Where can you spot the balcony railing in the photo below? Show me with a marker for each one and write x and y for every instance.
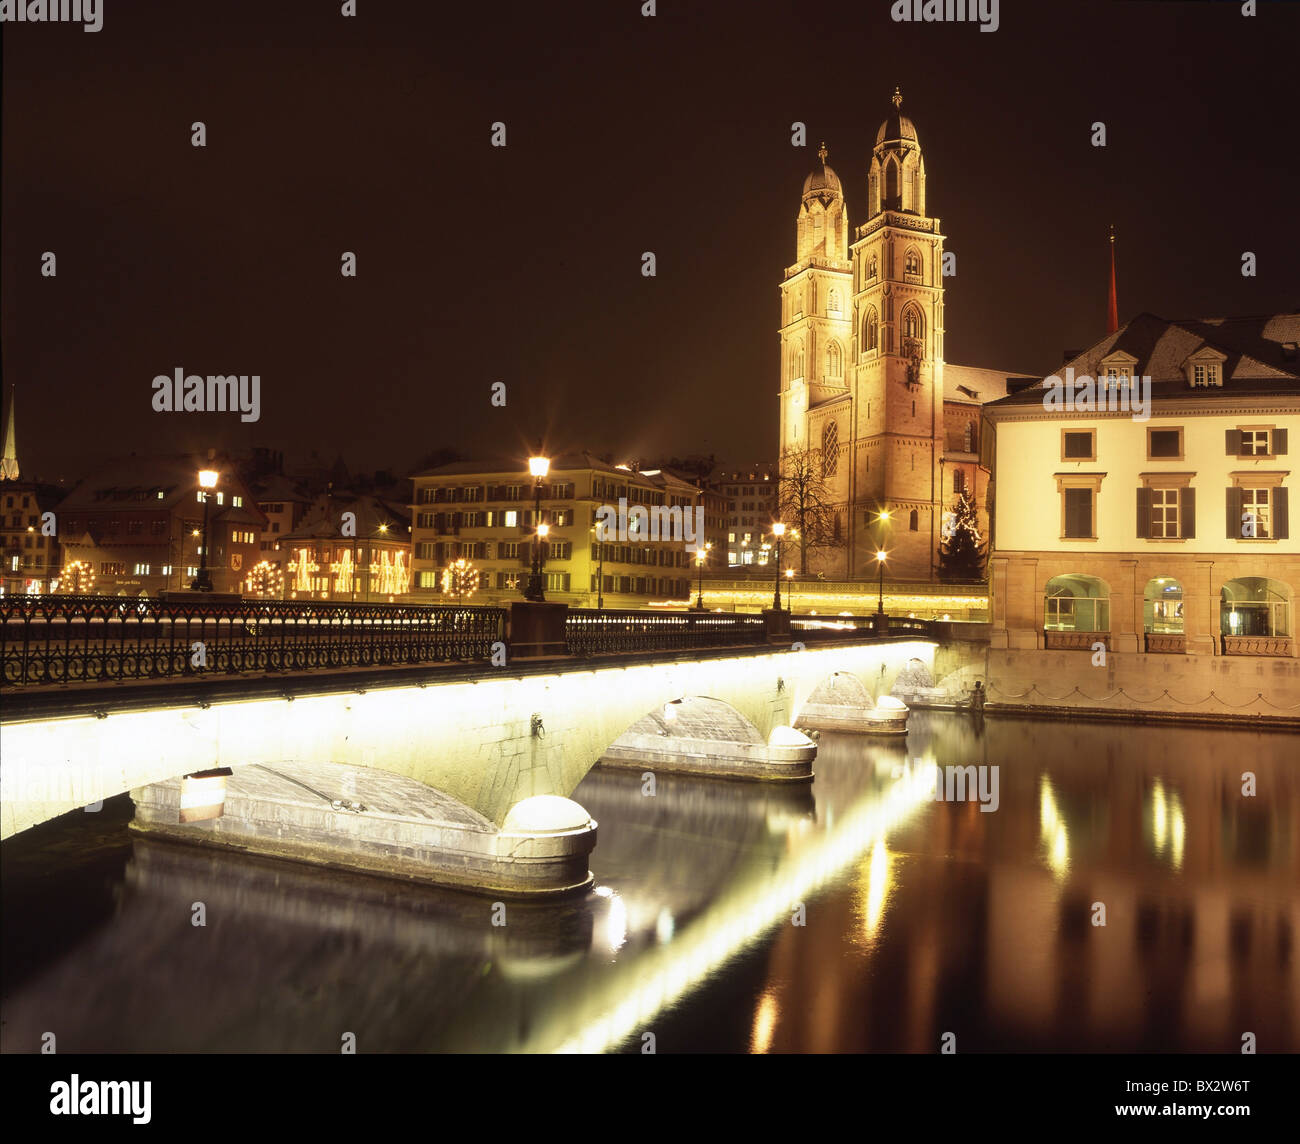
(1074, 641)
(1257, 645)
(1165, 643)
(82, 639)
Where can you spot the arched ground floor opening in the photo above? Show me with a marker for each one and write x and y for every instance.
(1237, 603)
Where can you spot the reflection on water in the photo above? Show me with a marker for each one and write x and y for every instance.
(918, 917)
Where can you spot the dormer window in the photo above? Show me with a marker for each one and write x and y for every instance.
(1204, 368)
(1116, 371)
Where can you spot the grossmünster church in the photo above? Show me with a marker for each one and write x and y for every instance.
(865, 391)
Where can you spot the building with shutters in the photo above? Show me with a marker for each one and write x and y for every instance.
(1168, 533)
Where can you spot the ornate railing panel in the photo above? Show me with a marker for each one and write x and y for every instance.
(1074, 641)
(79, 639)
(1257, 645)
(589, 631)
(1165, 642)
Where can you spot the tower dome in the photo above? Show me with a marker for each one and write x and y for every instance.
(897, 128)
(822, 182)
(823, 226)
(896, 174)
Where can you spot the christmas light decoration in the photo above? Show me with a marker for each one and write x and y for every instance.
(78, 579)
(460, 579)
(265, 580)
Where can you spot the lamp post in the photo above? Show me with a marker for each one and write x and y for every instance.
(700, 557)
(600, 567)
(778, 530)
(539, 466)
(880, 561)
(789, 587)
(203, 581)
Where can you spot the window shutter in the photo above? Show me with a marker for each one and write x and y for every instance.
(1234, 514)
(1280, 524)
(1144, 513)
(1187, 514)
(1279, 442)
(1232, 442)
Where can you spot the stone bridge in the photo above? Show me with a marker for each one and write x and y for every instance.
(487, 741)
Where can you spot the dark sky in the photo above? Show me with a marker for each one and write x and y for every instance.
(625, 134)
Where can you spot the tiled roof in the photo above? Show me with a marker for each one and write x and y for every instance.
(1257, 360)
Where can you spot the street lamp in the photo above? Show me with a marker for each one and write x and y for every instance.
(778, 530)
(701, 556)
(539, 467)
(880, 560)
(789, 583)
(600, 567)
(207, 482)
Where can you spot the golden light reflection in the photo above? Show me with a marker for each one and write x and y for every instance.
(765, 1015)
(1168, 824)
(1052, 829)
(605, 1016)
(878, 885)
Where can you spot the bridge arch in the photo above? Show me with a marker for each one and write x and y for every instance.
(489, 743)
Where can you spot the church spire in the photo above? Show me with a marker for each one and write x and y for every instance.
(9, 463)
(1112, 311)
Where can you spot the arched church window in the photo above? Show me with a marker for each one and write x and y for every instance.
(830, 449)
(912, 263)
(969, 441)
(796, 361)
(833, 302)
(834, 360)
(914, 521)
(874, 265)
(911, 323)
(870, 331)
(891, 184)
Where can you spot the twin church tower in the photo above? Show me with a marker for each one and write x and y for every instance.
(865, 392)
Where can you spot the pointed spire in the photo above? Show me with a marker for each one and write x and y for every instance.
(9, 463)
(1112, 311)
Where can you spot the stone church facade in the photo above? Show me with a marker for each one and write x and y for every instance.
(865, 391)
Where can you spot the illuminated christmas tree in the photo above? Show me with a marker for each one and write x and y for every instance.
(460, 579)
(962, 550)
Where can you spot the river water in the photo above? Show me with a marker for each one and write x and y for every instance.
(855, 913)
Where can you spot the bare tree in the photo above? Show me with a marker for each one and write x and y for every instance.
(805, 503)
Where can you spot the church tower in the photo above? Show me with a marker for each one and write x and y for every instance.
(877, 422)
(817, 329)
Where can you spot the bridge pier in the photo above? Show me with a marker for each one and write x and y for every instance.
(330, 815)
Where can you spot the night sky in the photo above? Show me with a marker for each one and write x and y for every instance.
(672, 134)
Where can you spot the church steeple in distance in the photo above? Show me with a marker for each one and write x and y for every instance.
(1112, 310)
(9, 463)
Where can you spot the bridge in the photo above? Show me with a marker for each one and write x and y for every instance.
(104, 696)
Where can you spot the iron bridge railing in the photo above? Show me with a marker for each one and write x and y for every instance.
(592, 632)
(78, 639)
